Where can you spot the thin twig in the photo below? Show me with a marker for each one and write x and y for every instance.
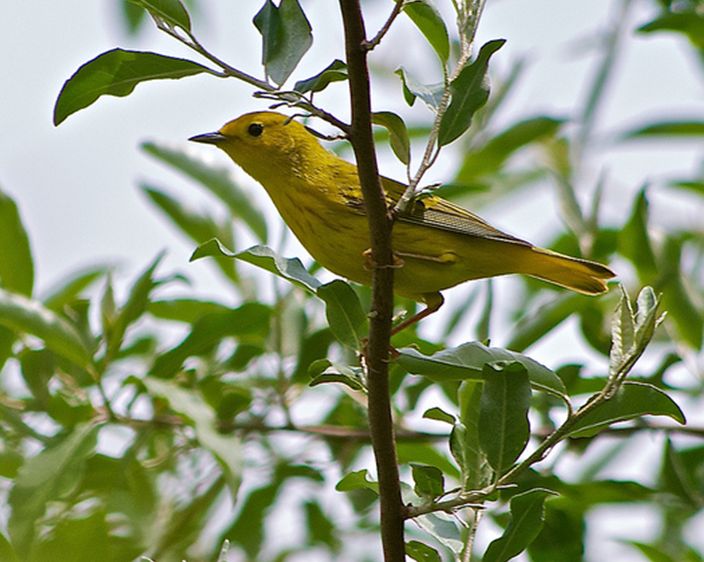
(369, 45)
(229, 71)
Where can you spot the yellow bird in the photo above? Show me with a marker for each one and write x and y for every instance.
(437, 243)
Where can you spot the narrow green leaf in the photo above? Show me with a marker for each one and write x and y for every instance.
(470, 91)
(633, 400)
(439, 414)
(467, 361)
(7, 553)
(689, 22)
(249, 320)
(286, 36)
(290, 269)
(198, 226)
(26, 316)
(421, 552)
(134, 307)
(71, 288)
(46, 478)
(488, 159)
(116, 73)
(173, 12)
(398, 134)
(429, 481)
(184, 310)
(429, 21)
(682, 309)
(336, 71)
(133, 16)
(651, 552)
(465, 438)
(326, 378)
(622, 333)
(503, 415)
(674, 129)
(357, 480)
(527, 513)
(16, 265)
(344, 313)
(227, 449)
(634, 242)
(430, 94)
(218, 181)
(426, 453)
(539, 322)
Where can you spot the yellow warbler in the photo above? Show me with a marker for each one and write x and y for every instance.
(437, 243)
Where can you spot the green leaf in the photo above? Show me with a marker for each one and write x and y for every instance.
(357, 480)
(133, 309)
(16, 265)
(290, 269)
(286, 36)
(470, 91)
(467, 361)
(429, 21)
(172, 12)
(48, 477)
(218, 181)
(682, 309)
(184, 310)
(633, 400)
(689, 22)
(7, 553)
(439, 414)
(133, 16)
(344, 313)
(116, 73)
(422, 552)
(198, 227)
(336, 71)
(651, 552)
(503, 415)
(429, 481)
(539, 322)
(26, 316)
(250, 319)
(675, 129)
(398, 134)
(426, 453)
(527, 513)
(622, 333)
(465, 438)
(430, 94)
(488, 159)
(227, 449)
(71, 288)
(634, 242)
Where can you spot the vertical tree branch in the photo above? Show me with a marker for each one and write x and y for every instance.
(380, 224)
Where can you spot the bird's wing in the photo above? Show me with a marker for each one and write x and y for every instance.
(437, 213)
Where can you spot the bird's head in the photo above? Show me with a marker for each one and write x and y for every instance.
(265, 143)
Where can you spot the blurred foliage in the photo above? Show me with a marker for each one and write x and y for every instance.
(139, 423)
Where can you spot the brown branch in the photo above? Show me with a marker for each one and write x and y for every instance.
(377, 351)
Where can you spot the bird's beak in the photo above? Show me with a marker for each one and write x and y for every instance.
(209, 138)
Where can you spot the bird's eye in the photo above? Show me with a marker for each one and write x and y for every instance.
(255, 129)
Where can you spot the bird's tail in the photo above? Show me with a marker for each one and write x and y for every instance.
(577, 274)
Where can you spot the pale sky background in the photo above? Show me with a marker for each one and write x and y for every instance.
(76, 185)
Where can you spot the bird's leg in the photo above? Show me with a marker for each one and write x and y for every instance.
(446, 257)
(433, 302)
(370, 264)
